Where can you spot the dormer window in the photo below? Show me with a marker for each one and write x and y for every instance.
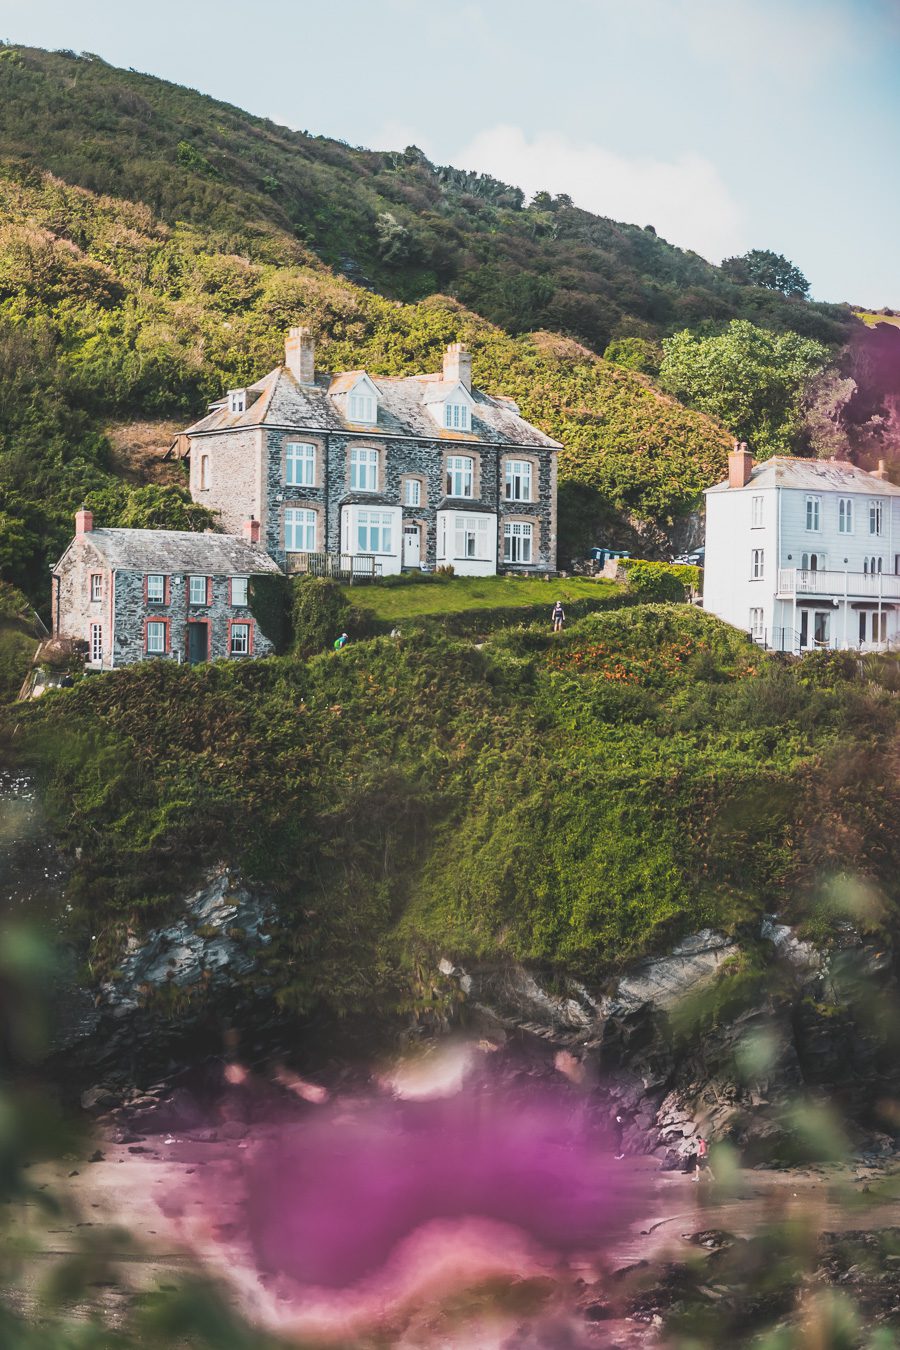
(456, 416)
(237, 400)
(362, 406)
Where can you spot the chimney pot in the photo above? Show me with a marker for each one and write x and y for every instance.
(84, 521)
(458, 364)
(251, 530)
(740, 463)
(300, 354)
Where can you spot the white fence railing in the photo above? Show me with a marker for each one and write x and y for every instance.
(871, 585)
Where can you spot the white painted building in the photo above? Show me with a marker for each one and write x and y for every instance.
(804, 553)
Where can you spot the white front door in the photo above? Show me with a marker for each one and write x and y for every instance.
(412, 552)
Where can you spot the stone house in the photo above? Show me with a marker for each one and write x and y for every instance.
(136, 595)
(386, 472)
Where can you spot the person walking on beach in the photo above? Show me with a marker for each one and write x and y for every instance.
(702, 1159)
(558, 617)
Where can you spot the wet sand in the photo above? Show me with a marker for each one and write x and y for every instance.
(150, 1191)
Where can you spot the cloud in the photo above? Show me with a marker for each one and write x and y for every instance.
(684, 199)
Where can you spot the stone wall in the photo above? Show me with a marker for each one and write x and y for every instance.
(132, 610)
(398, 460)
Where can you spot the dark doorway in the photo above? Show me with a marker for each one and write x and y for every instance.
(198, 643)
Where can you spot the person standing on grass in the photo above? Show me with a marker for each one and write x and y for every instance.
(558, 617)
(341, 642)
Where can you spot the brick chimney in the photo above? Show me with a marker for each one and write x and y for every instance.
(740, 462)
(84, 521)
(300, 355)
(458, 364)
(251, 531)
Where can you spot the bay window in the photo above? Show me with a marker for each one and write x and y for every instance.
(373, 531)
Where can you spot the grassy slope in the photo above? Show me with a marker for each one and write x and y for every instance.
(571, 801)
(462, 594)
(107, 314)
(191, 158)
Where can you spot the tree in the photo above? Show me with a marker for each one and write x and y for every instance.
(762, 267)
(750, 379)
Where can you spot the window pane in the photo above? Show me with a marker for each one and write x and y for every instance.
(239, 590)
(198, 590)
(156, 637)
(156, 589)
(240, 639)
(301, 465)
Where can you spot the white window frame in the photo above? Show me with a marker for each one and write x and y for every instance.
(460, 475)
(518, 541)
(235, 628)
(813, 514)
(362, 408)
(757, 622)
(240, 591)
(471, 537)
(813, 562)
(156, 595)
(96, 643)
(518, 478)
(237, 400)
(412, 492)
(757, 564)
(158, 628)
(300, 468)
(756, 512)
(363, 469)
(456, 416)
(194, 589)
(845, 515)
(876, 516)
(96, 587)
(204, 473)
(374, 531)
(300, 530)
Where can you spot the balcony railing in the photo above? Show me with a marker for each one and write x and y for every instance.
(347, 567)
(856, 585)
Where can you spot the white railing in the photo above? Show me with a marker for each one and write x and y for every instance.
(873, 585)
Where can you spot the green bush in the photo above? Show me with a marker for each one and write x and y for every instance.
(651, 582)
(270, 606)
(319, 614)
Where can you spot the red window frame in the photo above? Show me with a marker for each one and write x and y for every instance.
(155, 618)
(248, 623)
(231, 593)
(167, 589)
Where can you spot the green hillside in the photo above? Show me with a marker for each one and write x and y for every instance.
(571, 801)
(106, 313)
(405, 226)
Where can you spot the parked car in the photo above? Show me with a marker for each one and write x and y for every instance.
(694, 559)
(603, 555)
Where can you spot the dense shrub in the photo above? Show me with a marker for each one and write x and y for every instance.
(655, 581)
(319, 614)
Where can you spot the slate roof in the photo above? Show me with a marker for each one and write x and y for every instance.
(812, 475)
(173, 551)
(402, 411)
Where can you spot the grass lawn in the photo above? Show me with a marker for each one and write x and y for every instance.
(456, 595)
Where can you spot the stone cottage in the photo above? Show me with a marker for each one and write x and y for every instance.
(386, 473)
(136, 595)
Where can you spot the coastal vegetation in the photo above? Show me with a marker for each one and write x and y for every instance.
(573, 801)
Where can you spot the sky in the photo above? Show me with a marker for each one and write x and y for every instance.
(726, 124)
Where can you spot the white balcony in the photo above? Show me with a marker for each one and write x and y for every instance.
(798, 581)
